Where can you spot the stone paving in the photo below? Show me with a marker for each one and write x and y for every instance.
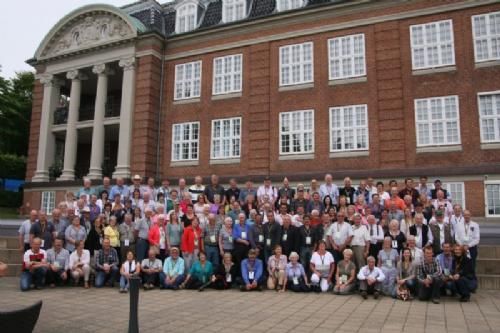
(74, 310)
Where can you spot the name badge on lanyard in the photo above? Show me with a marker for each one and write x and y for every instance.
(43, 243)
(268, 242)
(212, 238)
(394, 244)
(295, 280)
(230, 238)
(243, 235)
(308, 240)
(251, 275)
(196, 242)
(261, 238)
(127, 242)
(228, 278)
(285, 237)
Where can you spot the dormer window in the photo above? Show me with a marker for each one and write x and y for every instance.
(233, 10)
(283, 5)
(186, 18)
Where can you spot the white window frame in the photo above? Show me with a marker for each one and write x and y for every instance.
(486, 205)
(235, 75)
(301, 63)
(442, 121)
(350, 58)
(447, 186)
(190, 82)
(190, 17)
(496, 117)
(301, 132)
(343, 128)
(190, 141)
(233, 10)
(221, 139)
(439, 44)
(488, 37)
(48, 206)
(283, 5)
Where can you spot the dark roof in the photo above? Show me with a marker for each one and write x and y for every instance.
(213, 14)
(161, 18)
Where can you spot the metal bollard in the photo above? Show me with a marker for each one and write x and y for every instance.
(133, 323)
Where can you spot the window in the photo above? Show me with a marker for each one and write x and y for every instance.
(347, 56)
(489, 116)
(227, 74)
(486, 34)
(492, 199)
(296, 64)
(185, 137)
(226, 138)
(186, 18)
(349, 128)
(297, 132)
(233, 10)
(288, 4)
(437, 121)
(457, 193)
(48, 201)
(432, 45)
(188, 80)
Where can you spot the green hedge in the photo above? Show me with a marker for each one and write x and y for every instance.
(11, 199)
(12, 166)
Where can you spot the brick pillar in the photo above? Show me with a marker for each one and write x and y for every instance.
(36, 112)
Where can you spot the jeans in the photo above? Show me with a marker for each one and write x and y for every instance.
(38, 276)
(124, 282)
(142, 247)
(189, 259)
(177, 282)
(465, 286)
(212, 255)
(102, 276)
(434, 290)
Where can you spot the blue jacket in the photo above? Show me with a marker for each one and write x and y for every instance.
(246, 267)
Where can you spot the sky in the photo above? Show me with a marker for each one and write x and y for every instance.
(26, 22)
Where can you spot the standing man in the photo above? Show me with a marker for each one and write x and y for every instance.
(214, 189)
(329, 188)
(267, 189)
(467, 234)
(120, 189)
(141, 234)
(340, 236)
(360, 243)
(24, 231)
(196, 189)
(127, 235)
(409, 190)
(232, 191)
(248, 190)
(59, 224)
(44, 230)
(441, 233)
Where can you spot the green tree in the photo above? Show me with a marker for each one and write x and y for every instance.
(16, 97)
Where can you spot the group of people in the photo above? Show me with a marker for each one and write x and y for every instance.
(404, 242)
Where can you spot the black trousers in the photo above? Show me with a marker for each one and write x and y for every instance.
(433, 291)
(298, 288)
(151, 278)
(55, 277)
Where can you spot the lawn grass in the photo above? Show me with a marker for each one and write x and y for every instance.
(9, 213)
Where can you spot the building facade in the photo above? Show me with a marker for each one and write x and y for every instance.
(255, 88)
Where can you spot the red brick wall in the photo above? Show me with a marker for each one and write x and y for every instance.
(36, 112)
(474, 197)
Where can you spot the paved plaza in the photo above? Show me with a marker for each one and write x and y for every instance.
(77, 310)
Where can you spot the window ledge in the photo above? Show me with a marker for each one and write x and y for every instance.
(336, 82)
(342, 154)
(187, 101)
(296, 157)
(296, 87)
(184, 163)
(439, 149)
(226, 161)
(434, 70)
(488, 63)
(226, 96)
(492, 145)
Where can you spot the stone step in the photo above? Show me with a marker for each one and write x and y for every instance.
(10, 256)
(13, 270)
(488, 266)
(488, 281)
(9, 242)
(488, 252)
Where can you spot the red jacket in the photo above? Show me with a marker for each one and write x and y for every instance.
(188, 237)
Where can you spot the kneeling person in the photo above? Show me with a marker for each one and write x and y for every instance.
(150, 269)
(34, 266)
(370, 279)
(251, 272)
(296, 275)
(173, 271)
(58, 260)
(106, 265)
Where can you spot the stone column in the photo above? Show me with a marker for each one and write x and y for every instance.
(126, 116)
(71, 142)
(97, 154)
(46, 142)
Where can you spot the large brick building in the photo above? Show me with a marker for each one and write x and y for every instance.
(250, 88)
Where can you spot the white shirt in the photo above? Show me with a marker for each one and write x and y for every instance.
(361, 235)
(129, 267)
(297, 221)
(332, 190)
(24, 230)
(279, 218)
(467, 233)
(376, 233)
(29, 253)
(271, 192)
(74, 258)
(417, 255)
(322, 262)
(418, 237)
(376, 273)
(340, 232)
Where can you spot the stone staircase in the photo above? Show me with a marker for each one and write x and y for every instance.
(488, 262)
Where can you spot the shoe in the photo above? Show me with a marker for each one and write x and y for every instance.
(151, 286)
(200, 289)
(87, 285)
(465, 299)
(121, 290)
(52, 285)
(364, 294)
(435, 300)
(376, 294)
(145, 286)
(259, 288)
(175, 288)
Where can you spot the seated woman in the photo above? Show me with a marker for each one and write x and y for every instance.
(200, 275)
(387, 260)
(130, 268)
(345, 277)
(276, 266)
(79, 264)
(112, 232)
(463, 275)
(296, 275)
(405, 279)
(225, 274)
(252, 272)
(322, 268)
